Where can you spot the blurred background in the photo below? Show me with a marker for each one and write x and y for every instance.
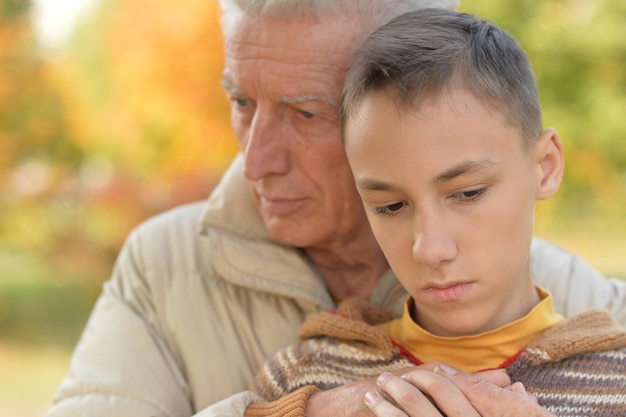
(112, 111)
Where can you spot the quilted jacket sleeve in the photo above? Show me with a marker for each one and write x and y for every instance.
(122, 366)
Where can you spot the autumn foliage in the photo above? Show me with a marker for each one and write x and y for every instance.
(150, 102)
(127, 121)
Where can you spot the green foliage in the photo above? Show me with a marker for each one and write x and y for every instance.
(40, 305)
(14, 9)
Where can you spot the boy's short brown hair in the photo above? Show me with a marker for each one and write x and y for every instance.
(420, 54)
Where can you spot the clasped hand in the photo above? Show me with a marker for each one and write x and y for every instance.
(440, 390)
(429, 390)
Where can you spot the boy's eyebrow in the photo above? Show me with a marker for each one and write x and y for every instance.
(234, 90)
(463, 168)
(373, 185)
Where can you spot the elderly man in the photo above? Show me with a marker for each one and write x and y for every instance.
(201, 295)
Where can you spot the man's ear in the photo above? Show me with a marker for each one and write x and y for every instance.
(550, 163)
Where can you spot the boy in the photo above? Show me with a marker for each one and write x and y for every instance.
(444, 136)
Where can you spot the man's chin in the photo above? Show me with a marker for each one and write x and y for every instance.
(291, 233)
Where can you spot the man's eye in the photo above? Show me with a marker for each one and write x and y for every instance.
(306, 114)
(241, 102)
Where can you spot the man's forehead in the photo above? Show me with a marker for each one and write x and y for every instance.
(334, 35)
(281, 82)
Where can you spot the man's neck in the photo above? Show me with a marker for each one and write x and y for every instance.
(351, 269)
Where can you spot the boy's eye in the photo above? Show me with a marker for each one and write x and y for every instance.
(388, 210)
(470, 195)
(395, 206)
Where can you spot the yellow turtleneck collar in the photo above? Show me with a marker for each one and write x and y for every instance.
(488, 350)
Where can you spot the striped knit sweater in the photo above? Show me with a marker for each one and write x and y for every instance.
(577, 368)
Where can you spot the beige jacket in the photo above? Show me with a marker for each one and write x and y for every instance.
(200, 297)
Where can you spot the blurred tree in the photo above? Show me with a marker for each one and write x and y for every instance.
(143, 77)
(35, 151)
(126, 121)
(32, 123)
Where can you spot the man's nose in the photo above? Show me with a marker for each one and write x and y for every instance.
(266, 148)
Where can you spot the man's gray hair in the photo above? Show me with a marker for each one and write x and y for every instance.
(376, 12)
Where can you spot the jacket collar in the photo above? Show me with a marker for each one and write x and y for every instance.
(230, 207)
(242, 251)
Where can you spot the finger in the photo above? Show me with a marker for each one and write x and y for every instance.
(406, 396)
(442, 392)
(381, 407)
(485, 397)
(430, 366)
(497, 377)
(519, 388)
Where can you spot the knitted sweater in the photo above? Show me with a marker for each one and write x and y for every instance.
(576, 368)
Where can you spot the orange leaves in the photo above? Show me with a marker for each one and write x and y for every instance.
(162, 62)
(129, 119)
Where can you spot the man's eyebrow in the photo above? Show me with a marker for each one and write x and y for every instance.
(305, 98)
(465, 167)
(232, 88)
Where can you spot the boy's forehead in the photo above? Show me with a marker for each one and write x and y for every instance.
(427, 107)
(382, 123)
(445, 105)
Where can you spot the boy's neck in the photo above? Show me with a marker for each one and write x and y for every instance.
(472, 353)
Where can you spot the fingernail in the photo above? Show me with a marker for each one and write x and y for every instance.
(383, 377)
(446, 369)
(370, 397)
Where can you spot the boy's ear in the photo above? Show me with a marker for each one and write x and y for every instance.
(550, 163)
